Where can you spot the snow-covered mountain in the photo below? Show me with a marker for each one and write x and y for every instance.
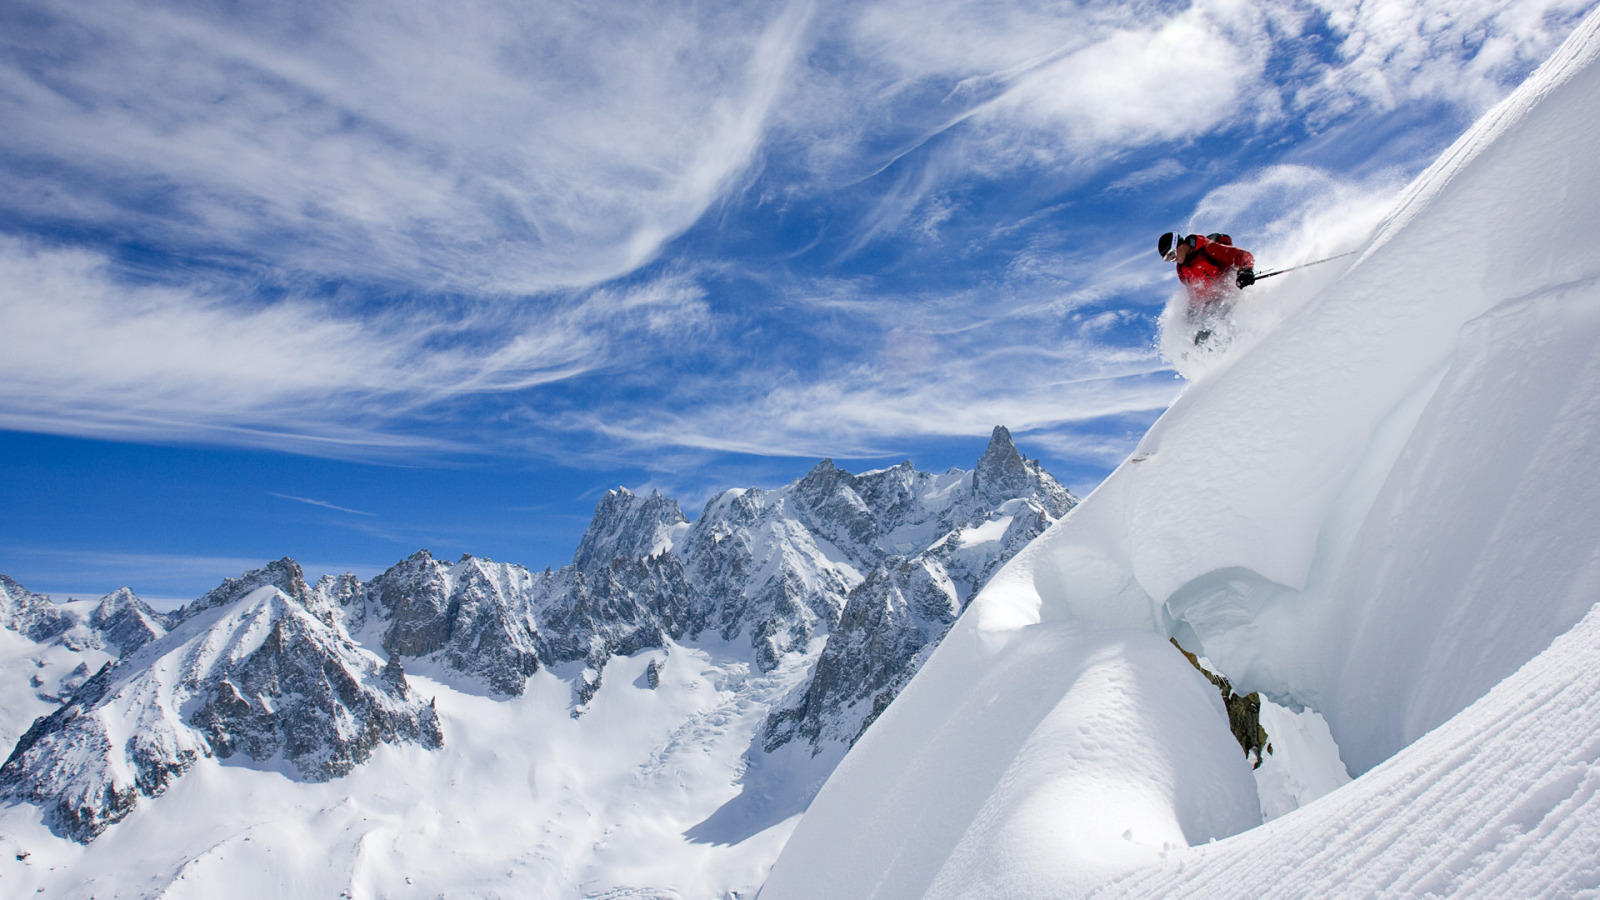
(248, 669)
(742, 653)
(1383, 510)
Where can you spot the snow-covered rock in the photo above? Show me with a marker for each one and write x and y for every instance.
(902, 609)
(31, 615)
(956, 528)
(119, 623)
(472, 616)
(499, 622)
(284, 574)
(628, 527)
(125, 622)
(262, 676)
(265, 672)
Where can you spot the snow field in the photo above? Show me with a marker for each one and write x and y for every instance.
(522, 801)
(23, 660)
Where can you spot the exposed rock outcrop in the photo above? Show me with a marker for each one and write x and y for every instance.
(264, 676)
(1244, 711)
(31, 615)
(627, 528)
(930, 542)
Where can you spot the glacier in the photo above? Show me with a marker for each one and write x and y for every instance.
(1383, 509)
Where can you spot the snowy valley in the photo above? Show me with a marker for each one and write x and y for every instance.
(646, 722)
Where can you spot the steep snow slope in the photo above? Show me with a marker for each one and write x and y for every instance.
(1380, 510)
(1501, 801)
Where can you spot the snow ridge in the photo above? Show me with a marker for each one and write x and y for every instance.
(263, 677)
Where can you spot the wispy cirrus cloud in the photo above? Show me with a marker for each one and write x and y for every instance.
(164, 580)
(93, 354)
(881, 370)
(492, 146)
(322, 503)
(336, 228)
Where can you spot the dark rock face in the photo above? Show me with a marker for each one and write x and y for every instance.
(472, 616)
(31, 615)
(1244, 711)
(126, 622)
(414, 597)
(927, 561)
(324, 710)
(902, 608)
(289, 683)
(501, 623)
(626, 528)
(1003, 474)
(760, 571)
(624, 607)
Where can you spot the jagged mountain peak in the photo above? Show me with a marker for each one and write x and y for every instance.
(820, 480)
(285, 574)
(1001, 471)
(125, 621)
(261, 676)
(11, 592)
(773, 569)
(32, 615)
(628, 526)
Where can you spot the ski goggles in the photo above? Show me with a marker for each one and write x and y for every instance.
(1169, 246)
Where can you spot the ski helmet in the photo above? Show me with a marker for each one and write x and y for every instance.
(1167, 246)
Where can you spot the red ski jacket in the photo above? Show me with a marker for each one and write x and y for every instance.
(1211, 267)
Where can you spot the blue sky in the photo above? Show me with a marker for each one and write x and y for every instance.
(341, 280)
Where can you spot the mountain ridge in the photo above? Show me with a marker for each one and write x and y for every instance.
(782, 573)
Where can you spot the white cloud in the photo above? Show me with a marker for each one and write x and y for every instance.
(88, 353)
(1137, 86)
(1032, 366)
(494, 151)
(1458, 51)
(488, 146)
(322, 503)
(1072, 87)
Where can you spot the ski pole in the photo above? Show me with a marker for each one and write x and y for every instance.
(1316, 262)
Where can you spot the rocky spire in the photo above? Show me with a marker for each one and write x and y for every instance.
(627, 526)
(1002, 473)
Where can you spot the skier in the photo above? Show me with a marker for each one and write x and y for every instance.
(1212, 270)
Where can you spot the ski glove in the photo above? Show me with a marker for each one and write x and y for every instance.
(1247, 277)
